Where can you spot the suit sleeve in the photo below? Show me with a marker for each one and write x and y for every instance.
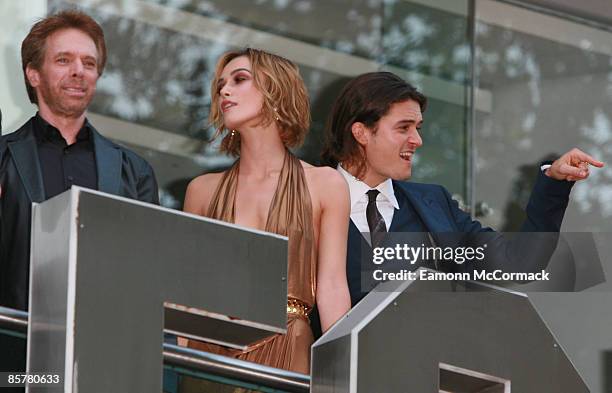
(2, 179)
(547, 205)
(463, 220)
(531, 249)
(2, 194)
(545, 210)
(2, 176)
(147, 185)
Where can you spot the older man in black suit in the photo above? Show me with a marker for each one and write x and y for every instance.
(62, 57)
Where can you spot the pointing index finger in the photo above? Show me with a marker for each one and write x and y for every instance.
(590, 160)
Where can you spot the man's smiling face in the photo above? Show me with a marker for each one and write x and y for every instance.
(389, 148)
(66, 80)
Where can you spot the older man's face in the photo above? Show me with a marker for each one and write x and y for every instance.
(66, 81)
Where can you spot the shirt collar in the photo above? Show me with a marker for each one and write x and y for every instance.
(358, 189)
(45, 131)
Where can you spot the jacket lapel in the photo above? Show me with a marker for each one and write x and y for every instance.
(108, 164)
(427, 208)
(25, 155)
(355, 237)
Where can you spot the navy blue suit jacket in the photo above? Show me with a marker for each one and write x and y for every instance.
(440, 214)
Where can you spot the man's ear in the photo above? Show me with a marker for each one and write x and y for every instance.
(33, 76)
(360, 133)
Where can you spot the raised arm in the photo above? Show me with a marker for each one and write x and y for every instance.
(333, 298)
(532, 248)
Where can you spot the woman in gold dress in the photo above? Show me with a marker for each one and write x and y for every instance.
(260, 108)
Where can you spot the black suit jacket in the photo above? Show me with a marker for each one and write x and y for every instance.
(120, 172)
(450, 226)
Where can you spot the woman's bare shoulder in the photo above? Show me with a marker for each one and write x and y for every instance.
(200, 191)
(205, 182)
(325, 178)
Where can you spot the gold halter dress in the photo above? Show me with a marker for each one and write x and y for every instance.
(290, 214)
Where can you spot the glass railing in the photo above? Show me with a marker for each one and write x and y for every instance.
(190, 371)
(13, 323)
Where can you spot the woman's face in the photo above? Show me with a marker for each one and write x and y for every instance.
(240, 101)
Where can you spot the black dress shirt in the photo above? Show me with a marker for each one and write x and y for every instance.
(63, 165)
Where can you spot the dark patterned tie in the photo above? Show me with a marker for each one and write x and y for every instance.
(376, 223)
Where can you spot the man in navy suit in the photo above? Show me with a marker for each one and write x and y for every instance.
(371, 137)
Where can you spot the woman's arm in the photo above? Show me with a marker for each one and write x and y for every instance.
(197, 199)
(332, 295)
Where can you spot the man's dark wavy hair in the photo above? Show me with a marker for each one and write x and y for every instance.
(365, 99)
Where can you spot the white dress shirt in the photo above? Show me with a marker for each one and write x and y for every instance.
(385, 201)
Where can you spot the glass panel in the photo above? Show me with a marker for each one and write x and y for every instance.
(426, 42)
(154, 92)
(16, 19)
(547, 84)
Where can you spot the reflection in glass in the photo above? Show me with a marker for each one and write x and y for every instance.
(154, 92)
(548, 80)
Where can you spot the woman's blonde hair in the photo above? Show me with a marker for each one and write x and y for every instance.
(285, 98)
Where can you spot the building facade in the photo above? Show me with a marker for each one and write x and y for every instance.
(510, 84)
